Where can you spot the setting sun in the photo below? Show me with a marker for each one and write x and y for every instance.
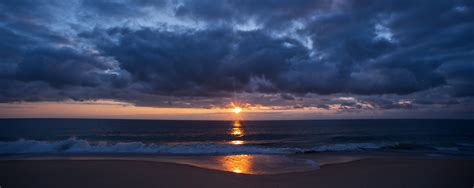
(237, 110)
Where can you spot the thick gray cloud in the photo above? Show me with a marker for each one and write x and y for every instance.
(144, 51)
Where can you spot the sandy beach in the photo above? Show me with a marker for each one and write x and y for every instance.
(368, 173)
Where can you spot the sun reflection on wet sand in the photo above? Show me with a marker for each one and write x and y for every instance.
(237, 163)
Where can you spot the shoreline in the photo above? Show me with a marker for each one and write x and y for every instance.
(373, 172)
(255, 164)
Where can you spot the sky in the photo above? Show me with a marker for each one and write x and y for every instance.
(184, 59)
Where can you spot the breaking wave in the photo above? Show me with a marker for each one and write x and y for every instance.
(78, 146)
(352, 147)
(73, 145)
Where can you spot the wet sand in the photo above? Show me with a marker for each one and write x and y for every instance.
(368, 173)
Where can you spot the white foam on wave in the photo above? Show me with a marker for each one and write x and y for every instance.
(352, 146)
(73, 145)
(447, 149)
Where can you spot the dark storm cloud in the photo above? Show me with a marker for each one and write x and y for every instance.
(198, 62)
(364, 47)
(41, 64)
(119, 9)
(273, 13)
(139, 51)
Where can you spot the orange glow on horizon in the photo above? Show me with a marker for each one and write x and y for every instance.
(121, 110)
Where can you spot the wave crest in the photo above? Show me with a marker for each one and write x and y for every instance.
(78, 146)
(73, 145)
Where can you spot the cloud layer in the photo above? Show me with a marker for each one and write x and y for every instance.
(202, 53)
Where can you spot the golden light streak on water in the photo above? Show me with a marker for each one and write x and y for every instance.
(237, 142)
(237, 163)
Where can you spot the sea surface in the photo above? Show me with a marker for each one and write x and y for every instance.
(97, 136)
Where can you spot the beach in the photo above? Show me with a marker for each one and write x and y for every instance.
(338, 153)
(367, 173)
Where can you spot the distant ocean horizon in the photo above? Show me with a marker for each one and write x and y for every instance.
(201, 137)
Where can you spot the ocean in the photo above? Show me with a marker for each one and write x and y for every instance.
(162, 137)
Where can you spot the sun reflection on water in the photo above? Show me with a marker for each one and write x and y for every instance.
(236, 124)
(237, 142)
(237, 132)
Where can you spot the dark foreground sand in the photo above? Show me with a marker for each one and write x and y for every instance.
(367, 173)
